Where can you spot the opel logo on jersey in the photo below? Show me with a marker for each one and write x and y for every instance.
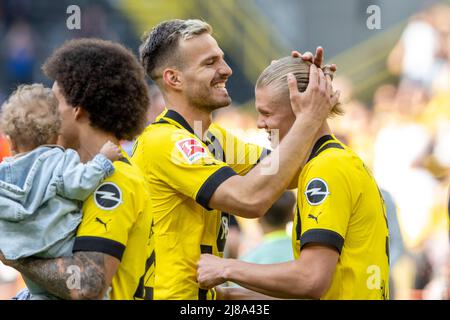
(316, 191)
(108, 196)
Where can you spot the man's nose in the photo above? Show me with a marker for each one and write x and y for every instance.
(225, 69)
(260, 123)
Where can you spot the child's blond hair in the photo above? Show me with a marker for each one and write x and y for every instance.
(30, 117)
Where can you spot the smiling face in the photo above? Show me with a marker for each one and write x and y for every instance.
(274, 112)
(204, 72)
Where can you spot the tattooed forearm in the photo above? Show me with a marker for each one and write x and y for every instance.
(81, 276)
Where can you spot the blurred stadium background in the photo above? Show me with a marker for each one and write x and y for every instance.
(395, 81)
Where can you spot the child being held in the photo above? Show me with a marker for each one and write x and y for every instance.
(42, 186)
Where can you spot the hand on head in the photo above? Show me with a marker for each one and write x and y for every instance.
(329, 69)
(317, 60)
(317, 100)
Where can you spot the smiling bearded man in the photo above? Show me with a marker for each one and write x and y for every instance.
(197, 177)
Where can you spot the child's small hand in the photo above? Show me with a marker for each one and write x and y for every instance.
(111, 151)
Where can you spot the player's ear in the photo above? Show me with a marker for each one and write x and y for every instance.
(79, 113)
(172, 78)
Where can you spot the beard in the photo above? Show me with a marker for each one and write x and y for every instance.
(204, 97)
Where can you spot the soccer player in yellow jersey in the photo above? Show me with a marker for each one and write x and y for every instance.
(197, 172)
(340, 234)
(102, 95)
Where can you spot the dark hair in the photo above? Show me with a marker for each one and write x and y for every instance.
(281, 211)
(105, 79)
(160, 44)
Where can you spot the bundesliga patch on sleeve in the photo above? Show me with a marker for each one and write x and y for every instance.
(191, 149)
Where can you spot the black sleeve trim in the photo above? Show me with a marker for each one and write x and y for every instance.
(322, 236)
(264, 153)
(97, 244)
(211, 184)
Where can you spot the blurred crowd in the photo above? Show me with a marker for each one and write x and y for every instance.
(26, 39)
(403, 135)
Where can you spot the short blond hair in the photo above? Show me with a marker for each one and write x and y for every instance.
(30, 117)
(276, 75)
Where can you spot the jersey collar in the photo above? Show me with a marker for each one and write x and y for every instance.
(178, 118)
(320, 146)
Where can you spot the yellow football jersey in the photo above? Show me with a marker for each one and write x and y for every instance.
(117, 220)
(183, 172)
(339, 205)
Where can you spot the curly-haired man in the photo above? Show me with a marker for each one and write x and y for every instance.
(102, 95)
(42, 185)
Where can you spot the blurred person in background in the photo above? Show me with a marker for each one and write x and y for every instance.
(382, 106)
(276, 245)
(417, 171)
(440, 14)
(412, 163)
(414, 56)
(157, 103)
(356, 126)
(95, 24)
(20, 53)
(396, 246)
(400, 142)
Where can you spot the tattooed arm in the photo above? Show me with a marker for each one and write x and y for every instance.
(85, 275)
